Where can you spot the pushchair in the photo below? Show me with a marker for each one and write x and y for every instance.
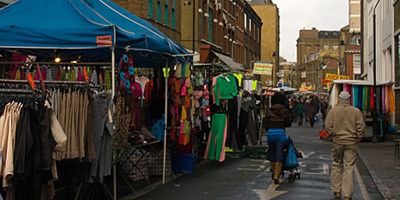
(291, 164)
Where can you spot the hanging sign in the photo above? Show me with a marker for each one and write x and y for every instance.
(262, 68)
(331, 77)
(104, 41)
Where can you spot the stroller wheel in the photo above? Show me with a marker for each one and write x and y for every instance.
(298, 175)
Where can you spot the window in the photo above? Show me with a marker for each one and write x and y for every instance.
(357, 64)
(166, 12)
(173, 14)
(245, 21)
(150, 11)
(210, 25)
(158, 10)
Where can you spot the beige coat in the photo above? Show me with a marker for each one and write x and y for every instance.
(345, 124)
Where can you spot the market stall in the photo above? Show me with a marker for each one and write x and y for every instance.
(91, 33)
(363, 97)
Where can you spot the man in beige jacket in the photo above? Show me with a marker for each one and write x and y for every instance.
(345, 125)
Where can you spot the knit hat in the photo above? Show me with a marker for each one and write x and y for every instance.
(344, 95)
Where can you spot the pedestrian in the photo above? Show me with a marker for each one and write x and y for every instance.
(345, 125)
(277, 119)
(311, 110)
(299, 110)
(324, 109)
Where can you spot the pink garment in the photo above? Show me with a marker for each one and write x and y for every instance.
(222, 157)
(80, 75)
(214, 81)
(383, 99)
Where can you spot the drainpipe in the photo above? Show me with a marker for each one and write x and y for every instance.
(376, 109)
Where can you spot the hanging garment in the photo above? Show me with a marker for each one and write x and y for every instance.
(372, 99)
(233, 139)
(360, 97)
(215, 149)
(355, 95)
(240, 78)
(102, 137)
(225, 88)
(391, 97)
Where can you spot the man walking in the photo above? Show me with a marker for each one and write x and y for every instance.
(345, 125)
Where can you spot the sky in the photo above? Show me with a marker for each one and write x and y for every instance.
(298, 14)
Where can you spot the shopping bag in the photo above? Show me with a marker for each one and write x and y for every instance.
(291, 159)
(323, 135)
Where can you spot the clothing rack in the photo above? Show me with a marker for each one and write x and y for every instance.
(54, 63)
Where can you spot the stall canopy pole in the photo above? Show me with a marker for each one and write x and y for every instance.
(113, 93)
(166, 74)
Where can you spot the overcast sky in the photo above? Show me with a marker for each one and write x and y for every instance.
(298, 14)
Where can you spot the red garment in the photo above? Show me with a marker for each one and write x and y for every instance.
(148, 91)
(372, 99)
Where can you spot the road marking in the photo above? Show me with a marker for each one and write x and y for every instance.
(249, 169)
(362, 185)
(270, 193)
(325, 157)
(308, 154)
(324, 170)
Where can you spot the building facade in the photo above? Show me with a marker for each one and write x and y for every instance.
(229, 28)
(318, 53)
(384, 40)
(352, 52)
(396, 31)
(287, 73)
(355, 16)
(164, 14)
(269, 14)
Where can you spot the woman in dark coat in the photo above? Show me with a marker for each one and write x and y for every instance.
(278, 117)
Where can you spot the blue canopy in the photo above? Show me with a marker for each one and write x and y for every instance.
(79, 24)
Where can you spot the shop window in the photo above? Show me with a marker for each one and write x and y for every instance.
(166, 13)
(158, 10)
(150, 11)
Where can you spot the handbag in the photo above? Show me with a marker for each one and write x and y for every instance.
(158, 129)
(291, 159)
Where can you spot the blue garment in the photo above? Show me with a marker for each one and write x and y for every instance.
(277, 141)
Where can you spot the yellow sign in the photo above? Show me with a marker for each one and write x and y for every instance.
(262, 68)
(331, 77)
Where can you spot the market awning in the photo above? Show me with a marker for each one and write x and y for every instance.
(229, 62)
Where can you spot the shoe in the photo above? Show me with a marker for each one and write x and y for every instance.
(347, 198)
(337, 196)
(276, 181)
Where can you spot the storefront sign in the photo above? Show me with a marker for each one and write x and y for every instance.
(331, 77)
(104, 41)
(262, 68)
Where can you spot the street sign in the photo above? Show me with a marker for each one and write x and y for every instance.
(279, 85)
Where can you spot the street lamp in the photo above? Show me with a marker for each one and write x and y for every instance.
(342, 65)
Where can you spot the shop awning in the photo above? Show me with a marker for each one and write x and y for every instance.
(229, 62)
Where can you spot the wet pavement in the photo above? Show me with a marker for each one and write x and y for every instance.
(250, 178)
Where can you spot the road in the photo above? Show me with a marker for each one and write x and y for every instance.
(250, 178)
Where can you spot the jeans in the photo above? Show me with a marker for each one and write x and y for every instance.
(277, 143)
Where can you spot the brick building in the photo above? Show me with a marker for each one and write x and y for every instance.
(226, 31)
(164, 14)
(314, 50)
(269, 14)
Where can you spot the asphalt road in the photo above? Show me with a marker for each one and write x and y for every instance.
(250, 178)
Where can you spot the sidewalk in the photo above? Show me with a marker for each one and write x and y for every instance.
(383, 166)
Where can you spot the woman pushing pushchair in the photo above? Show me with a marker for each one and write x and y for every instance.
(277, 119)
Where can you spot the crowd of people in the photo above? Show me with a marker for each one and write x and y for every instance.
(306, 109)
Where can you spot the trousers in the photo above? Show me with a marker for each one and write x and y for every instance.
(343, 162)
